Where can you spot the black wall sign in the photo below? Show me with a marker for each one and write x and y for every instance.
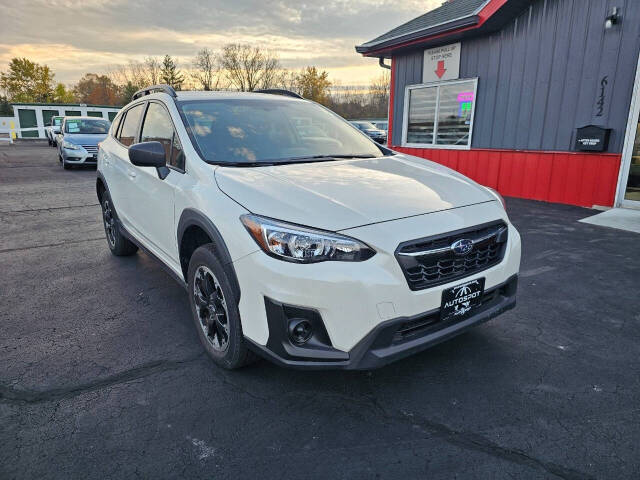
(592, 138)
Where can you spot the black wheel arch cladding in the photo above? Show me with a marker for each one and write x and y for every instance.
(193, 218)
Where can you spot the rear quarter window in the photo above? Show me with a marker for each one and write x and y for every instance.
(115, 125)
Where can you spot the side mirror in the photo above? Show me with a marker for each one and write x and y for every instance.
(149, 154)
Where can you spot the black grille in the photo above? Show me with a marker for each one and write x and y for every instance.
(91, 148)
(428, 262)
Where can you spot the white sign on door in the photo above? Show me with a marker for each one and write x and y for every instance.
(441, 63)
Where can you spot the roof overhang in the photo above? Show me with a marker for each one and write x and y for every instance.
(366, 49)
(490, 16)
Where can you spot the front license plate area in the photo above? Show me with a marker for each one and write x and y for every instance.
(460, 301)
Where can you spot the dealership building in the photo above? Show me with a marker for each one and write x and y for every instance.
(536, 98)
(30, 119)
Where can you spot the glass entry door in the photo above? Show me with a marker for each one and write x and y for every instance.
(632, 187)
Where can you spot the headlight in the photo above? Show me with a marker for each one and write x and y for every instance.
(70, 146)
(498, 196)
(293, 243)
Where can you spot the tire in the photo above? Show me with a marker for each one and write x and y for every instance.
(50, 142)
(214, 309)
(119, 245)
(65, 165)
(59, 158)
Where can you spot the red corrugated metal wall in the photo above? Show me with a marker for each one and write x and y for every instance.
(561, 177)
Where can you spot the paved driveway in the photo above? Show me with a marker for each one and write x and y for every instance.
(102, 375)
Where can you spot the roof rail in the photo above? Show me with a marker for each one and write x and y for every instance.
(168, 89)
(279, 91)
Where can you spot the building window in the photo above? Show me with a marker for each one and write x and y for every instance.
(439, 115)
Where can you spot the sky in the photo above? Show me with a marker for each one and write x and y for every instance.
(74, 37)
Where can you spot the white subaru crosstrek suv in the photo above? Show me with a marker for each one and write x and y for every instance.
(313, 247)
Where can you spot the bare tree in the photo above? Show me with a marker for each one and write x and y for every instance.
(139, 74)
(152, 70)
(249, 68)
(289, 81)
(379, 94)
(206, 70)
(349, 101)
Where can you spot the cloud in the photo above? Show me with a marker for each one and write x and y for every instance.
(77, 36)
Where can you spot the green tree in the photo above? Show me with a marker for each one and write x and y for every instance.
(5, 107)
(170, 74)
(62, 95)
(27, 81)
(127, 91)
(313, 85)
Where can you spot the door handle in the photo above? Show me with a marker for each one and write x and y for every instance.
(132, 174)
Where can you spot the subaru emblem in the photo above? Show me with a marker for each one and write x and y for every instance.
(462, 246)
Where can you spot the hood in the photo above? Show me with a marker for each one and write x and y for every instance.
(345, 194)
(81, 139)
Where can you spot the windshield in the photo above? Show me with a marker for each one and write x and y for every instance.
(57, 121)
(270, 131)
(86, 126)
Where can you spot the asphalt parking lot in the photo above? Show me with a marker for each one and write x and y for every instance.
(102, 374)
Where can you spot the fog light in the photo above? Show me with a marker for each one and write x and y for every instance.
(300, 331)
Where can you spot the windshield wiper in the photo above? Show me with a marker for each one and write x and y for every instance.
(286, 161)
(322, 158)
(245, 164)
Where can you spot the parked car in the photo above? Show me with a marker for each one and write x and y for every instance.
(52, 130)
(78, 140)
(371, 130)
(384, 126)
(313, 252)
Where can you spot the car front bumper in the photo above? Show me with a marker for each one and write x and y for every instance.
(79, 157)
(391, 340)
(358, 300)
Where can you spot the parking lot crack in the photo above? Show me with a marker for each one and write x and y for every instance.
(47, 209)
(19, 396)
(70, 242)
(479, 443)
(461, 439)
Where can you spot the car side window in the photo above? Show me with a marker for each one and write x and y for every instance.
(158, 127)
(129, 130)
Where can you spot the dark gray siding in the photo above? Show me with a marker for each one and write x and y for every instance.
(539, 76)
